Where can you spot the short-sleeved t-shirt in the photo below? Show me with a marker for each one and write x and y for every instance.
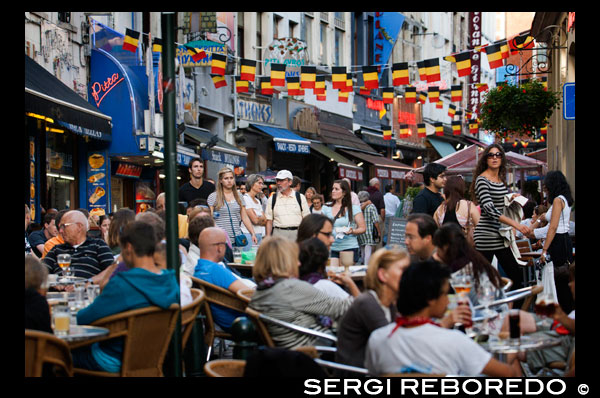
(349, 241)
(258, 210)
(187, 192)
(219, 276)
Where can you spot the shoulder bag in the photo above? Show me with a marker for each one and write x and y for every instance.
(239, 240)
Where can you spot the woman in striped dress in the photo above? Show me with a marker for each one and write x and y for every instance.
(488, 189)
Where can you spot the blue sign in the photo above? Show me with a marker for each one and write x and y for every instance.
(387, 27)
(223, 157)
(569, 101)
(501, 75)
(292, 148)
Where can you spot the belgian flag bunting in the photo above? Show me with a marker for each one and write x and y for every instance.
(218, 63)
(421, 130)
(410, 95)
(422, 70)
(433, 70)
(348, 88)
(157, 45)
(451, 110)
(387, 132)
(343, 96)
(544, 82)
(277, 75)
(370, 77)
(196, 53)
(521, 41)
(544, 130)
(456, 93)
(364, 91)
(481, 86)
(494, 55)
(433, 92)
(439, 104)
(422, 97)
(265, 86)
(219, 81)
(293, 85)
(319, 85)
(400, 74)
(248, 70)
(456, 127)
(131, 40)
(504, 49)
(338, 77)
(463, 63)
(439, 129)
(404, 131)
(308, 76)
(473, 126)
(241, 85)
(388, 95)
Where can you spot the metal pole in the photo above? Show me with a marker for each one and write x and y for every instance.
(170, 152)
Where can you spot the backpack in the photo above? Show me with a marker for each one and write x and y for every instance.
(297, 198)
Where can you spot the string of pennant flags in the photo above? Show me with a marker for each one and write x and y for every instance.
(342, 79)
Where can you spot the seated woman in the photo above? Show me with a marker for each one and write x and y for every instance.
(414, 343)
(454, 250)
(37, 311)
(313, 259)
(372, 309)
(316, 226)
(280, 294)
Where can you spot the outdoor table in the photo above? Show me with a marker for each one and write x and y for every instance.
(357, 272)
(64, 280)
(83, 332)
(500, 348)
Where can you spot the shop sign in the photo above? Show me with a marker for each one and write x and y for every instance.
(99, 90)
(97, 200)
(128, 170)
(224, 157)
(32, 182)
(288, 51)
(306, 121)
(292, 148)
(352, 174)
(397, 175)
(387, 27)
(254, 111)
(474, 41)
(382, 173)
(185, 58)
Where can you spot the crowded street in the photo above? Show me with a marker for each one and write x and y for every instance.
(332, 196)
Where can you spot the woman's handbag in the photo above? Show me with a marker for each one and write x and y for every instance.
(239, 240)
(469, 228)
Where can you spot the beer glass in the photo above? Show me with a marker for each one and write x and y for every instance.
(64, 261)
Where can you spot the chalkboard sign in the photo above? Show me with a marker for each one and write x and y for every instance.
(395, 231)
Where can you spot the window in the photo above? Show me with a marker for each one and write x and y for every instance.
(323, 44)
(240, 34)
(259, 43)
(276, 22)
(339, 47)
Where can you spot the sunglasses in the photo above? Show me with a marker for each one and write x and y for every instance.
(495, 155)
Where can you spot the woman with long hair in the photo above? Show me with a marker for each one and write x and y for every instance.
(280, 294)
(254, 186)
(455, 208)
(558, 243)
(489, 188)
(227, 202)
(348, 220)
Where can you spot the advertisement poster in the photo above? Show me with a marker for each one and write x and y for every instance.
(97, 200)
(32, 178)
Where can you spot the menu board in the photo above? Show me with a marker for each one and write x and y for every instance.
(395, 231)
(97, 199)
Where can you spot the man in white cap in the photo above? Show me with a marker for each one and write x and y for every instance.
(286, 208)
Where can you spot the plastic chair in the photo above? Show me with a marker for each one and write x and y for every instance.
(259, 320)
(146, 334)
(225, 368)
(45, 348)
(218, 296)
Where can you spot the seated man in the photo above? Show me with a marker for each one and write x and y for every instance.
(37, 239)
(414, 343)
(418, 236)
(212, 250)
(143, 285)
(89, 256)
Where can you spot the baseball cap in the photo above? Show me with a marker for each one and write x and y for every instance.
(283, 174)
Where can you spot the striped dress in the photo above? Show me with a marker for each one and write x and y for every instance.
(490, 196)
(298, 302)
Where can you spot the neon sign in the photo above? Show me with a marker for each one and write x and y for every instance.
(105, 87)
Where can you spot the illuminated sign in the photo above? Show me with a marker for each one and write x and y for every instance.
(100, 90)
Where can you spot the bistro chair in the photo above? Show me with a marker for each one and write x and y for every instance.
(260, 320)
(189, 313)
(146, 333)
(225, 368)
(217, 296)
(529, 277)
(506, 284)
(330, 367)
(45, 348)
(246, 294)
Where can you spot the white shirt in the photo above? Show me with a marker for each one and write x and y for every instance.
(258, 210)
(563, 220)
(391, 204)
(424, 349)
(331, 288)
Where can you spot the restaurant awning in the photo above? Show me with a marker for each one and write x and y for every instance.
(285, 140)
(221, 152)
(384, 167)
(442, 147)
(342, 138)
(45, 95)
(346, 167)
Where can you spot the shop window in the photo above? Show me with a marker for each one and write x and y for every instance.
(60, 170)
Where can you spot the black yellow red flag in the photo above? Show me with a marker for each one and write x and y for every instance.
(247, 69)
(400, 74)
(131, 40)
(218, 63)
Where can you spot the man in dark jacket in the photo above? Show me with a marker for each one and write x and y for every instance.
(429, 198)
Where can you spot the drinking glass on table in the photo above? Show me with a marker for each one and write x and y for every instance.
(486, 295)
(61, 319)
(64, 261)
(92, 292)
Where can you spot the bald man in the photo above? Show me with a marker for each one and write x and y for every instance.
(212, 242)
(89, 256)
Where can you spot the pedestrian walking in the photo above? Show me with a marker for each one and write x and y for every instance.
(286, 208)
(370, 238)
(197, 186)
(429, 198)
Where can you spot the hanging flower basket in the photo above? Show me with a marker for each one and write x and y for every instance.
(518, 110)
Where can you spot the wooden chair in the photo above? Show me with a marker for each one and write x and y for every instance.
(189, 313)
(218, 296)
(225, 368)
(529, 277)
(45, 348)
(146, 334)
(246, 294)
(260, 319)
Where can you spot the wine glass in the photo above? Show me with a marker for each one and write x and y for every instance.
(486, 295)
(64, 261)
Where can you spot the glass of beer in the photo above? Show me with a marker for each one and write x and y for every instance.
(514, 324)
(64, 261)
(545, 306)
(61, 319)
